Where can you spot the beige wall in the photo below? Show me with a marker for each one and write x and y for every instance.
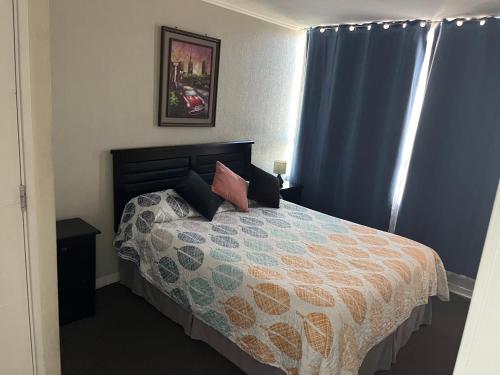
(105, 72)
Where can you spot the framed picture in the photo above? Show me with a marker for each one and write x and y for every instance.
(189, 67)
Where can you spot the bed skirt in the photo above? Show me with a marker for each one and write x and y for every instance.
(380, 357)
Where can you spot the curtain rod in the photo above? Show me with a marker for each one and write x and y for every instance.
(423, 22)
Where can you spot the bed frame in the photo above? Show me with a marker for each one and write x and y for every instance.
(143, 170)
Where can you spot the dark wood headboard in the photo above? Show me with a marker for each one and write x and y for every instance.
(143, 170)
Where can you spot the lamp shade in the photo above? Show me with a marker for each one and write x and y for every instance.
(279, 167)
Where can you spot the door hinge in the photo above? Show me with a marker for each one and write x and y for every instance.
(22, 196)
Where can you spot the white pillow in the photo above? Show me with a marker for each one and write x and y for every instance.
(164, 206)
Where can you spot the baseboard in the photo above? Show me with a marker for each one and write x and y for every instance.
(460, 284)
(106, 280)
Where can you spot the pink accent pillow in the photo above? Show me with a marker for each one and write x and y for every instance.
(230, 186)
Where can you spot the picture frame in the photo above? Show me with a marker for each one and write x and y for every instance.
(189, 72)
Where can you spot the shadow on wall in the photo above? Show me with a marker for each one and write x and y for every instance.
(107, 261)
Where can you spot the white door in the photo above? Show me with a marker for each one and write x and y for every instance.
(15, 340)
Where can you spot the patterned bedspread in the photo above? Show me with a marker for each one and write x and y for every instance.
(294, 288)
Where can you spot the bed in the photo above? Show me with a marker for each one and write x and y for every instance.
(276, 291)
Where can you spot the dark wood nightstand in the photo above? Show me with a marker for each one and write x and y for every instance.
(75, 269)
(291, 192)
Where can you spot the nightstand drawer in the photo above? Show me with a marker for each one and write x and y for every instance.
(76, 262)
(76, 269)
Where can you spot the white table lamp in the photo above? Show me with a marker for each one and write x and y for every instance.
(280, 168)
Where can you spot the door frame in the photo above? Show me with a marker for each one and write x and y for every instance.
(32, 35)
(479, 345)
(23, 125)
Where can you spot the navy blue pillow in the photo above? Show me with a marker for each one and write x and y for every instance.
(264, 187)
(199, 195)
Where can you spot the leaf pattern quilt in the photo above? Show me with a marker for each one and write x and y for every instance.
(294, 288)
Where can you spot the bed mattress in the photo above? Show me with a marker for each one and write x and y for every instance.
(293, 288)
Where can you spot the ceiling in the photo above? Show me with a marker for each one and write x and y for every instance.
(304, 13)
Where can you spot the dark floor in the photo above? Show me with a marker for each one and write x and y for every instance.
(129, 336)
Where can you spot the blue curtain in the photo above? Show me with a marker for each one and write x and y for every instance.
(455, 165)
(357, 87)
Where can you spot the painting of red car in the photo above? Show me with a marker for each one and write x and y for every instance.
(193, 102)
(188, 81)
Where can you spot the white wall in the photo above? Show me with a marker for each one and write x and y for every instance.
(105, 72)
